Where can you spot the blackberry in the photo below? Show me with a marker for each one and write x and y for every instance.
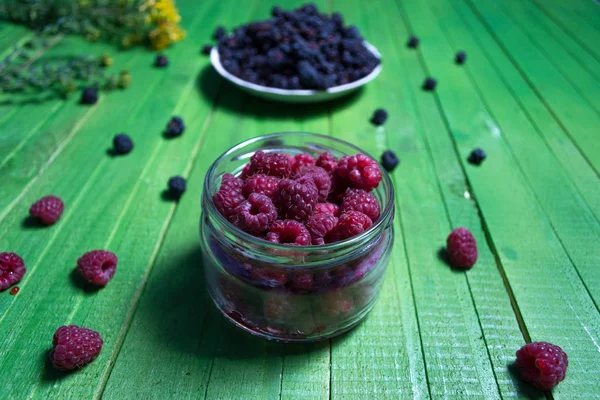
(413, 42)
(161, 61)
(89, 96)
(206, 49)
(122, 143)
(379, 117)
(219, 33)
(477, 156)
(177, 186)
(461, 57)
(175, 127)
(429, 84)
(389, 160)
(309, 76)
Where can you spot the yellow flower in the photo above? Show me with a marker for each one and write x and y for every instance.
(165, 34)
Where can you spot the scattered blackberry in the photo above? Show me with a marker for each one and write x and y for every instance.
(379, 117)
(361, 200)
(362, 171)
(429, 84)
(289, 232)
(254, 215)
(12, 270)
(97, 266)
(542, 364)
(177, 186)
(413, 42)
(461, 57)
(299, 49)
(477, 156)
(462, 248)
(389, 160)
(89, 96)
(206, 49)
(175, 127)
(122, 143)
(48, 209)
(296, 200)
(73, 347)
(161, 61)
(219, 33)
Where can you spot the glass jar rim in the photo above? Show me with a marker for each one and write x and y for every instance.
(386, 210)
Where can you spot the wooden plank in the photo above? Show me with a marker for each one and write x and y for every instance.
(579, 30)
(564, 101)
(105, 215)
(539, 272)
(589, 10)
(444, 303)
(26, 144)
(586, 83)
(236, 364)
(572, 219)
(541, 20)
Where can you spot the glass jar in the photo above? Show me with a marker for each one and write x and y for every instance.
(292, 293)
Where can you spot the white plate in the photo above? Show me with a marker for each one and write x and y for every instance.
(295, 96)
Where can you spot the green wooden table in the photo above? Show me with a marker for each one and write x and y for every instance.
(529, 94)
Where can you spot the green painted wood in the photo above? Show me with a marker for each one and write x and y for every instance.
(589, 10)
(104, 207)
(564, 101)
(570, 216)
(543, 22)
(532, 257)
(577, 28)
(586, 84)
(480, 42)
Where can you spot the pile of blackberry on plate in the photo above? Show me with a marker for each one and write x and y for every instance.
(299, 49)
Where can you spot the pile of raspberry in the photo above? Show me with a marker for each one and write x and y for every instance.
(298, 200)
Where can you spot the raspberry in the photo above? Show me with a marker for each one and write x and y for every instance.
(379, 117)
(48, 209)
(320, 178)
(319, 225)
(327, 161)
(389, 160)
(255, 214)
(461, 57)
(328, 208)
(274, 164)
(262, 184)
(477, 156)
(175, 127)
(73, 347)
(303, 160)
(361, 200)
(296, 200)
(301, 283)
(122, 143)
(12, 269)
(161, 61)
(229, 195)
(177, 186)
(97, 266)
(462, 248)
(246, 172)
(542, 364)
(89, 96)
(339, 186)
(289, 232)
(350, 224)
(362, 171)
(429, 84)
(413, 42)
(269, 277)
